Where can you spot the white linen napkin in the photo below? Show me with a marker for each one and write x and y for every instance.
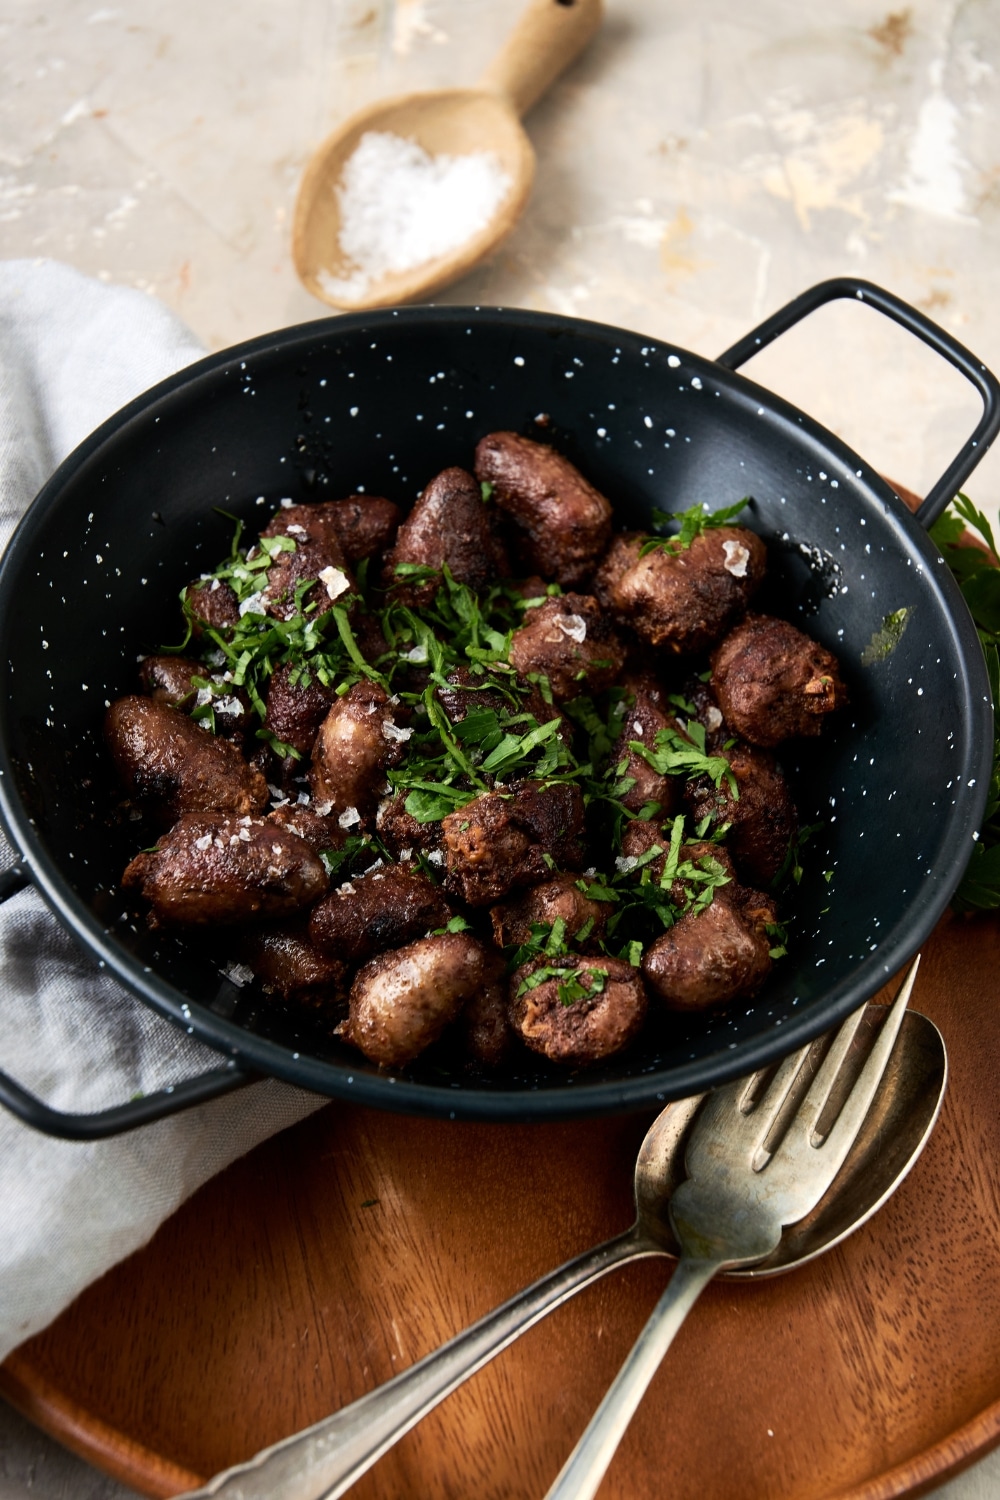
(72, 351)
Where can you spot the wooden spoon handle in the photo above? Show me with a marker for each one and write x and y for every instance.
(545, 40)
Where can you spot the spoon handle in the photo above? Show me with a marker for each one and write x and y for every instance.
(323, 1461)
(581, 1475)
(547, 37)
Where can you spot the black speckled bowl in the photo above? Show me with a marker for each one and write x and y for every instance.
(382, 402)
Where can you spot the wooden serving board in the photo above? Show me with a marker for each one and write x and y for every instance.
(338, 1253)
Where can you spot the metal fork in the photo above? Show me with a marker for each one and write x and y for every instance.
(754, 1165)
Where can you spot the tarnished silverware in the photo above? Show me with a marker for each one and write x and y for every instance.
(762, 1155)
(324, 1460)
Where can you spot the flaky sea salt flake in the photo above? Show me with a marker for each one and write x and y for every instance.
(575, 626)
(238, 974)
(737, 557)
(335, 581)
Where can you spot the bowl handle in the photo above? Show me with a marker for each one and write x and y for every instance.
(937, 338)
(97, 1125)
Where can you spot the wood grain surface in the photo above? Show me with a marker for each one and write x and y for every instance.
(336, 1254)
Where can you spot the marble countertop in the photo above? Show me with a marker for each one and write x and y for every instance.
(698, 167)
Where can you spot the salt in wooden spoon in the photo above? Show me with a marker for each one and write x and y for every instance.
(548, 35)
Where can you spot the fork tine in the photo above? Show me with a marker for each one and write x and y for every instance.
(845, 1128)
(812, 1105)
(723, 1120)
(768, 1106)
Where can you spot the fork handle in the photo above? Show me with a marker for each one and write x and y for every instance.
(581, 1475)
(323, 1461)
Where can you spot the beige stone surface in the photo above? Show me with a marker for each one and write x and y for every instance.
(697, 168)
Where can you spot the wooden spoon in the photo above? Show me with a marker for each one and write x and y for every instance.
(547, 37)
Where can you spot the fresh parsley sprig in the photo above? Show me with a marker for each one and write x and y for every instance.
(977, 571)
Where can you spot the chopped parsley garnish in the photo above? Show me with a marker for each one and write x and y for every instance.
(888, 636)
(575, 983)
(281, 749)
(360, 852)
(455, 924)
(677, 754)
(472, 728)
(791, 866)
(651, 900)
(778, 933)
(693, 523)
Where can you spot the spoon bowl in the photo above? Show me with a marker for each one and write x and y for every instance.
(444, 122)
(453, 122)
(896, 1129)
(760, 1156)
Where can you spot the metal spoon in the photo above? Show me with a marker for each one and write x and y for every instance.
(762, 1155)
(325, 1460)
(548, 35)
